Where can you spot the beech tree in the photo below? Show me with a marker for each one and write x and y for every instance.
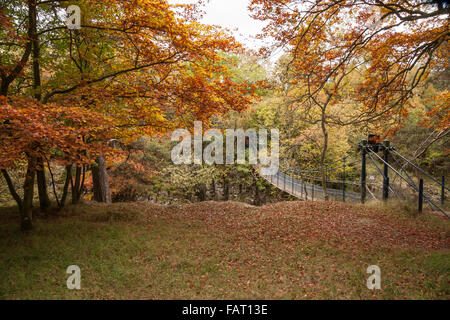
(133, 68)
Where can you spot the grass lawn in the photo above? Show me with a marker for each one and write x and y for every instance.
(289, 250)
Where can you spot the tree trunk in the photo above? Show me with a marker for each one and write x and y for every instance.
(100, 181)
(200, 192)
(18, 68)
(257, 198)
(213, 190)
(12, 190)
(324, 183)
(35, 50)
(76, 191)
(66, 186)
(26, 213)
(44, 200)
(226, 189)
(322, 158)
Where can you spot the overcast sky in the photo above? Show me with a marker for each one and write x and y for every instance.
(234, 15)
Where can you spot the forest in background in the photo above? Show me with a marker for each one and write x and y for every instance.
(143, 170)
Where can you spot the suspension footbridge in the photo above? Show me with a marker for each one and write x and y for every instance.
(390, 166)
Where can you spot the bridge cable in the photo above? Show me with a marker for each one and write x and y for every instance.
(381, 172)
(411, 185)
(401, 167)
(421, 170)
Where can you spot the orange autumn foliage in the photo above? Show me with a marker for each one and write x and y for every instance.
(391, 45)
(30, 129)
(143, 66)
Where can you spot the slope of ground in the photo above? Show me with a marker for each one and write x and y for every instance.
(212, 250)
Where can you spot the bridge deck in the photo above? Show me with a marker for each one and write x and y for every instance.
(306, 191)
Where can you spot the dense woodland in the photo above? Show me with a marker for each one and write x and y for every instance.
(86, 114)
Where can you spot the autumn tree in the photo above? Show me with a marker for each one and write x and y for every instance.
(141, 65)
(396, 43)
(391, 45)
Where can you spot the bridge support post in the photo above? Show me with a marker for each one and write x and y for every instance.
(363, 171)
(387, 145)
(421, 195)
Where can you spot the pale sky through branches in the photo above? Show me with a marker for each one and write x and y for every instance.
(235, 16)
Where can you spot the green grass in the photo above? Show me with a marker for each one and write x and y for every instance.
(225, 251)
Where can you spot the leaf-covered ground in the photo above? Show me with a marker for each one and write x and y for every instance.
(211, 250)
